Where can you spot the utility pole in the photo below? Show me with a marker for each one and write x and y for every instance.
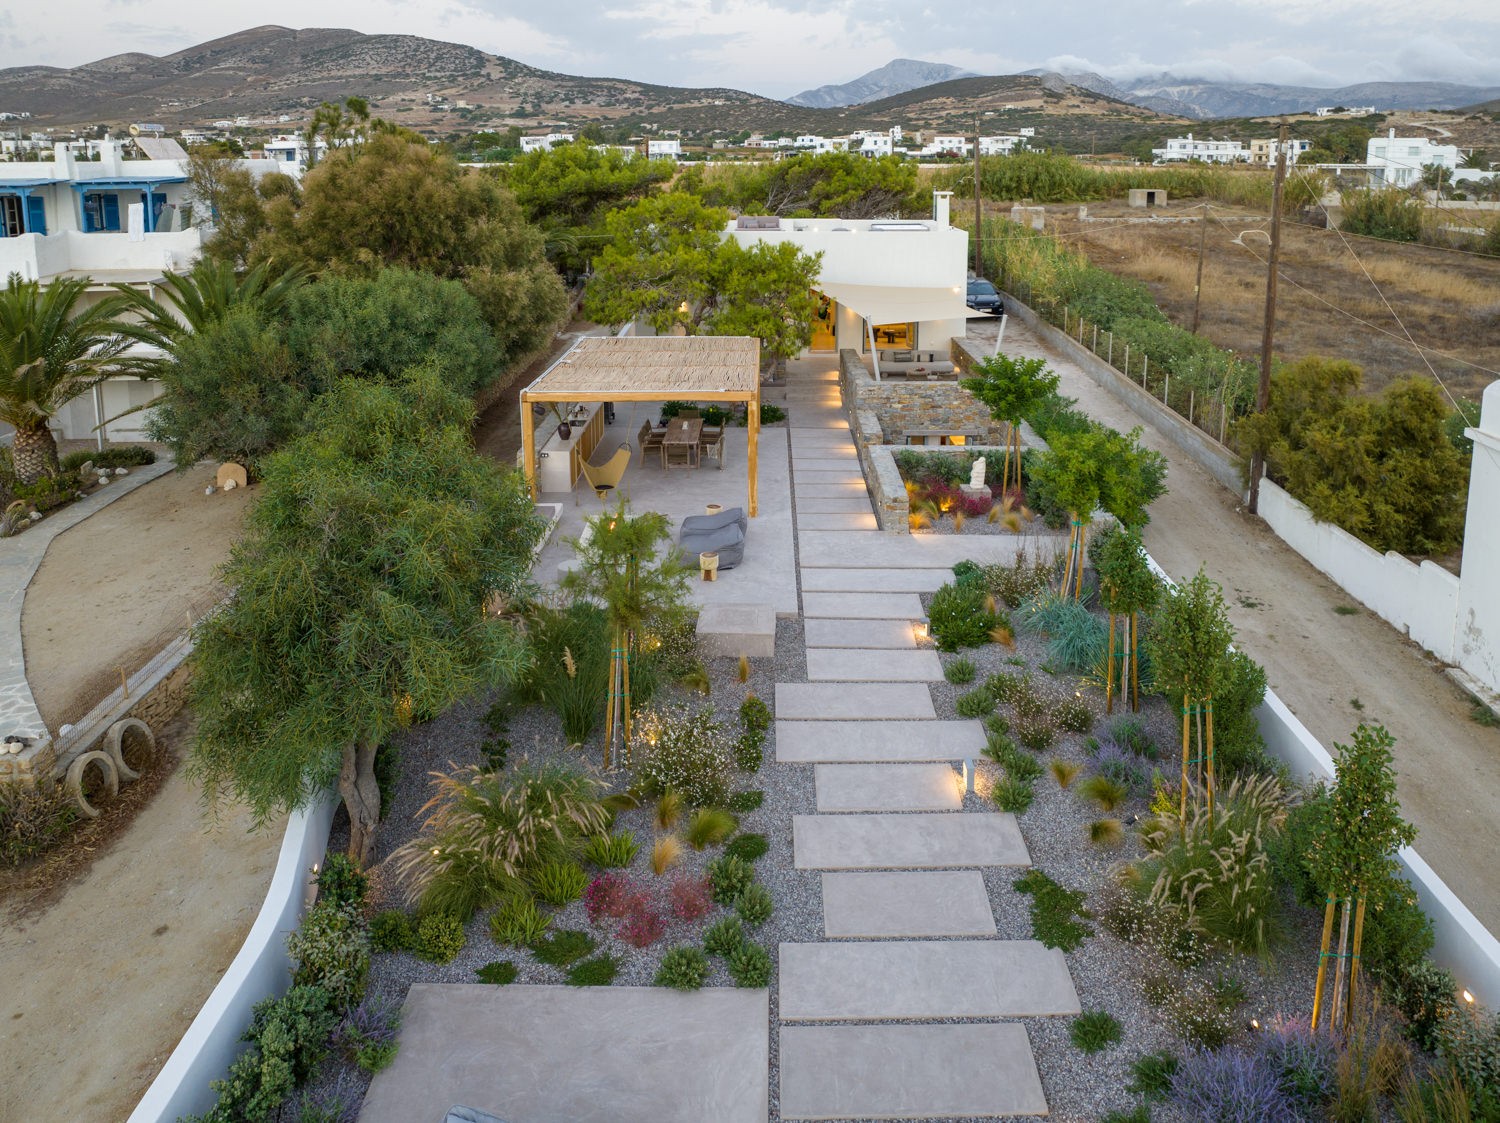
(1198, 284)
(1268, 334)
(978, 212)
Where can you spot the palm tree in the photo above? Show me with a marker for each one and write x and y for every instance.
(189, 303)
(51, 351)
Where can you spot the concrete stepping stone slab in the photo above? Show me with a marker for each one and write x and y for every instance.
(924, 979)
(811, 742)
(924, 903)
(833, 664)
(814, 421)
(887, 787)
(841, 477)
(836, 505)
(863, 606)
(838, 701)
(872, 580)
(819, 437)
(908, 1072)
(907, 842)
(816, 520)
(831, 491)
(887, 634)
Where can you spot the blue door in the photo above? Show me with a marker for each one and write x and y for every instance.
(36, 215)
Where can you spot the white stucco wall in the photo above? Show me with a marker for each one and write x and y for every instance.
(1476, 640)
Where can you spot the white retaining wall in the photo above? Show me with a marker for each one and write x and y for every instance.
(260, 970)
(1420, 600)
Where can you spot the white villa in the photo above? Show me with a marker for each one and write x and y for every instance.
(1266, 151)
(1000, 145)
(545, 142)
(664, 149)
(896, 284)
(1397, 161)
(1184, 148)
(291, 148)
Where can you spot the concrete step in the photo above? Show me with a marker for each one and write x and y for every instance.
(924, 980)
(908, 1072)
(883, 634)
(817, 520)
(854, 580)
(834, 664)
(863, 606)
(852, 489)
(907, 842)
(906, 904)
(837, 701)
(837, 505)
(887, 787)
(807, 742)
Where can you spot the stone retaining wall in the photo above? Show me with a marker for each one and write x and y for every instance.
(904, 407)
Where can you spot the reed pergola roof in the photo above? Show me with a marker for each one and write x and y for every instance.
(696, 368)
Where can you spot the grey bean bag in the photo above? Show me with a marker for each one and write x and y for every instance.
(723, 533)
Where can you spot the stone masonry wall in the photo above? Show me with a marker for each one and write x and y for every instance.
(904, 407)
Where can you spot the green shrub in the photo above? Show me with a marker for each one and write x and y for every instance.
(392, 930)
(1151, 1075)
(709, 826)
(1074, 715)
(387, 774)
(1095, 1030)
(1076, 639)
(683, 968)
(960, 671)
(747, 847)
(367, 1035)
(730, 878)
(975, 703)
(1140, 1113)
(1035, 732)
(611, 851)
(1013, 795)
(499, 973)
(116, 456)
(960, 617)
(996, 726)
(558, 883)
(742, 803)
(1006, 688)
(564, 946)
(438, 938)
(683, 750)
(518, 923)
(1057, 914)
(1470, 1042)
(33, 819)
(288, 1037)
(568, 661)
(490, 831)
(341, 882)
(1131, 734)
(1389, 213)
(754, 905)
(755, 714)
(1018, 764)
(750, 966)
(331, 951)
(723, 937)
(1018, 582)
(1107, 794)
(597, 972)
(755, 720)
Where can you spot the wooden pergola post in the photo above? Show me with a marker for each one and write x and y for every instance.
(752, 427)
(528, 445)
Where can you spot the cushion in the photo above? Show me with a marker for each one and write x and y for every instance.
(726, 517)
(727, 540)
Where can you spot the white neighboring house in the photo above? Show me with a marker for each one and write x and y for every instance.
(545, 142)
(946, 146)
(664, 149)
(628, 151)
(1267, 151)
(1397, 161)
(1184, 148)
(1000, 145)
(113, 221)
(896, 282)
(871, 145)
(1337, 111)
(291, 148)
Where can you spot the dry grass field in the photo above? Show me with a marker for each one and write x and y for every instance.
(1356, 305)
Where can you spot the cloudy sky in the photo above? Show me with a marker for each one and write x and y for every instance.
(778, 47)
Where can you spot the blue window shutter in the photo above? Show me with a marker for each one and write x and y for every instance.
(36, 215)
(111, 212)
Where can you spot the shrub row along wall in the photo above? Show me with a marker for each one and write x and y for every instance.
(260, 970)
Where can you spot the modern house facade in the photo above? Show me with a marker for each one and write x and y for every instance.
(1181, 149)
(1264, 150)
(1397, 161)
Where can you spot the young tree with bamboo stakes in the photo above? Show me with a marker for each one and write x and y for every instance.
(1012, 387)
(1352, 846)
(1127, 587)
(639, 586)
(1190, 640)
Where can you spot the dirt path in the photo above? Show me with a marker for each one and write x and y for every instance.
(100, 984)
(113, 590)
(1333, 671)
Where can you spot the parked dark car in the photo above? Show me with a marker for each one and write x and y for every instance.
(984, 298)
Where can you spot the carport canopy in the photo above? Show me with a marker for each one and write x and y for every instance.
(628, 368)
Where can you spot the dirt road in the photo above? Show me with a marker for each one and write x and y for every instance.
(100, 985)
(116, 588)
(1332, 670)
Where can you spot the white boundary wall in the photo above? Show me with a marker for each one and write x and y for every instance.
(260, 970)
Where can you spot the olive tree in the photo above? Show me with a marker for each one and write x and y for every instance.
(364, 594)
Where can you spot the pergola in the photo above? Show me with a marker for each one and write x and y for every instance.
(697, 368)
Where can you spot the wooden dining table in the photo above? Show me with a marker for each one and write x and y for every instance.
(680, 432)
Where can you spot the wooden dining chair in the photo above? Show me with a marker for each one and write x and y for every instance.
(650, 439)
(711, 443)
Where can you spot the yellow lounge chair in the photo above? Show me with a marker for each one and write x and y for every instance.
(604, 478)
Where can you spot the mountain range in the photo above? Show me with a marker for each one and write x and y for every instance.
(896, 77)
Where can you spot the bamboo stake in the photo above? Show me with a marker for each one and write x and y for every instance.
(1322, 962)
(1135, 662)
(626, 697)
(1109, 670)
(1359, 932)
(1338, 966)
(1209, 702)
(1182, 794)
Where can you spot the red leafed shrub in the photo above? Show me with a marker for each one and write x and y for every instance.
(691, 897)
(973, 508)
(643, 924)
(607, 895)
